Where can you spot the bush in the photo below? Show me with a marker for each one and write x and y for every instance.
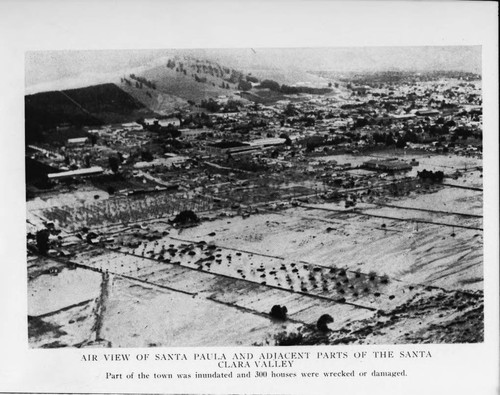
(288, 339)
(432, 176)
(271, 85)
(323, 322)
(244, 85)
(278, 312)
(147, 156)
(42, 241)
(186, 217)
(252, 79)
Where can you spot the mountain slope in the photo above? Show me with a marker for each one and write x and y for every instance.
(184, 81)
(180, 80)
(90, 106)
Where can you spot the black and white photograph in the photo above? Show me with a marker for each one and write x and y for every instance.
(249, 197)
(254, 197)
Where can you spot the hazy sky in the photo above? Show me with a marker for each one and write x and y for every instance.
(365, 58)
(46, 70)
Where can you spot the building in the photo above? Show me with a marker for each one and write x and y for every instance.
(88, 172)
(131, 126)
(169, 161)
(267, 142)
(388, 166)
(190, 134)
(227, 147)
(427, 113)
(403, 116)
(77, 142)
(175, 122)
(166, 122)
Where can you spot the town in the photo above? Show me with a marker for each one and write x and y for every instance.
(344, 211)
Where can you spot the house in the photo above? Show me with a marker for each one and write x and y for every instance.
(193, 133)
(403, 116)
(426, 113)
(226, 147)
(91, 171)
(389, 166)
(175, 122)
(131, 126)
(267, 142)
(77, 142)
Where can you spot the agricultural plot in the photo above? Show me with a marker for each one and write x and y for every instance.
(330, 283)
(123, 210)
(382, 265)
(157, 282)
(252, 195)
(144, 316)
(118, 182)
(409, 245)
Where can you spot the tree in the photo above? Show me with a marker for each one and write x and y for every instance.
(289, 339)
(146, 156)
(290, 110)
(244, 85)
(389, 140)
(285, 136)
(186, 217)
(323, 322)
(279, 312)
(431, 176)
(271, 85)
(42, 241)
(251, 78)
(210, 105)
(401, 143)
(114, 164)
(174, 132)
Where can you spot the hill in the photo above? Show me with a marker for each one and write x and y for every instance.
(182, 82)
(90, 106)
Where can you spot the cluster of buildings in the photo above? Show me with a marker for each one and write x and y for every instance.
(280, 137)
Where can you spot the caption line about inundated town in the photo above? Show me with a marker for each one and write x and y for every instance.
(246, 365)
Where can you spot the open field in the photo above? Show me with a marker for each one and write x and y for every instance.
(398, 270)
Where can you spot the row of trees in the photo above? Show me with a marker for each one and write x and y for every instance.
(433, 176)
(142, 80)
(286, 89)
(213, 106)
(227, 75)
